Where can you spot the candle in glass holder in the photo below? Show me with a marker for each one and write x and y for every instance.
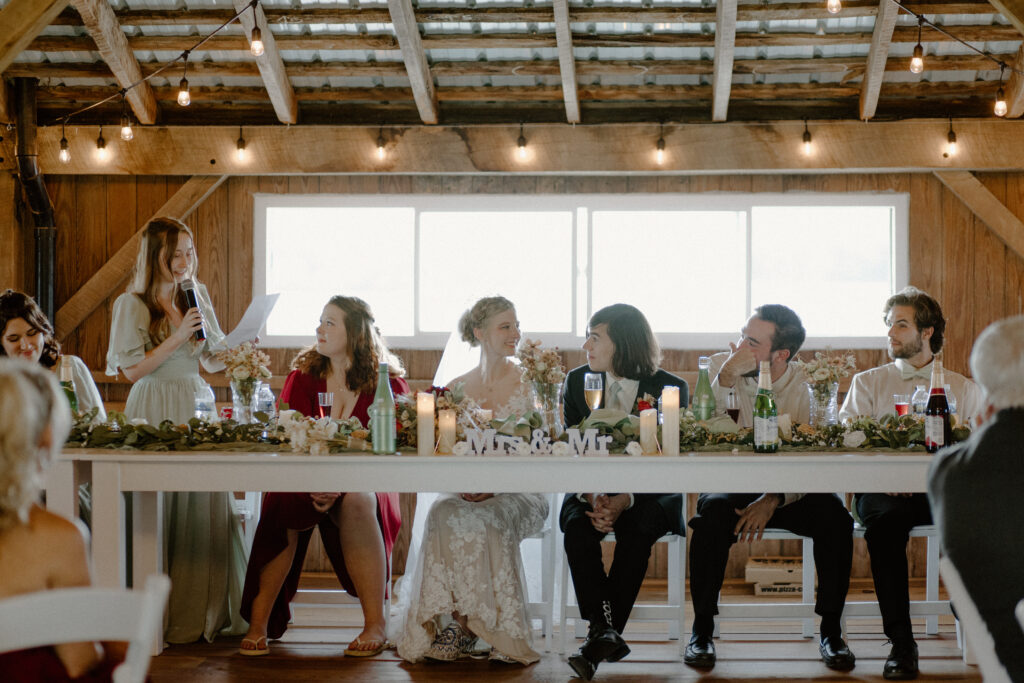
(424, 423)
(649, 431)
(670, 421)
(446, 428)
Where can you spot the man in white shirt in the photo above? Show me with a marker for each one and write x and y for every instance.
(774, 333)
(916, 327)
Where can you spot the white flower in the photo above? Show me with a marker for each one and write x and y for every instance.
(318, 447)
(633, 448)
(139, 421)
(240, 373)
(523, 448)
(560, 448)
(854, 439)
(460, 448)
(820, 375)
(286, 416)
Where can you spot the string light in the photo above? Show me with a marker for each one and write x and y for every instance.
(659, 149)
(521, 144)
(126, 121)
(240, 146)
(807, 140)
(950, 140)
(380, 144)
(184, 98)
(64, 155)
(833, 6)
(1000, 107)
(917, 60)
(101, 146)
(256, 42)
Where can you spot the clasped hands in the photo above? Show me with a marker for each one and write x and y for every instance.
(606, 510)
(475, 497)
(322, 502)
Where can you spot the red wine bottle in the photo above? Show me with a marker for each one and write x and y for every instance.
(938, 431)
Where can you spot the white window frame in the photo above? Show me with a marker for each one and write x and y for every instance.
(581, 206)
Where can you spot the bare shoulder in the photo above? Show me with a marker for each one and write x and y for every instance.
(62, 535)
(471, 378)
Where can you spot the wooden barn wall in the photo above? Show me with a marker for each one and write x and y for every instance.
(952, 254)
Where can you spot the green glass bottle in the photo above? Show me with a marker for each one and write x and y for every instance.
(703, 405)
(67, 383)
(766, 415)
(382, 414)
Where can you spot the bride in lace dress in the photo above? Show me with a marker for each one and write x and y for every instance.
(468, 580)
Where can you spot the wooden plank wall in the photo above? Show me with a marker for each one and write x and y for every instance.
(952, 254)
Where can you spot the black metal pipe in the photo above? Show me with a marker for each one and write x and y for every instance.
(36, 194)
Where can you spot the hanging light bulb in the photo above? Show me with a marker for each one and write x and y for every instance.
(659, 148)
(833, 6)
(1000, 107)
(64, 155)
(256, 42)
(380, 145)
(951, 140)
(240, 152)
(101, 147)
(126, 122)
(184, 98)
(917, 60)
(807, 141)
(521, 144)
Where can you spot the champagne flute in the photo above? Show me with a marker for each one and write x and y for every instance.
(593, 387)
(325, 400)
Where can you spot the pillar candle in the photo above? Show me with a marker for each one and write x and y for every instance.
(424, 423)
(446, 426)
(670, 421)
(649, 431)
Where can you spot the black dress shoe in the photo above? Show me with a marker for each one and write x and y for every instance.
(902, 662)
(700, 652)
(604, 644)
(583, 667)
(835, 654)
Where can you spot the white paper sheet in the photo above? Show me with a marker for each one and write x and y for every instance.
(252, 323)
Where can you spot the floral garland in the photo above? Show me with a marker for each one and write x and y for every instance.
(468, 413)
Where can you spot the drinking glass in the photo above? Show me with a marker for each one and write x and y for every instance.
(326, 402)
(593, 387)
(732, 409)
(901, 403)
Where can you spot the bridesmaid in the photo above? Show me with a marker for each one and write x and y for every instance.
(151, 342)
(358, 530)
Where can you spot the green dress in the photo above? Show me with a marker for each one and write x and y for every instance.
(204, 549)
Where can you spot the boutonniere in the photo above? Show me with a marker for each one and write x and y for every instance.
(645, 402)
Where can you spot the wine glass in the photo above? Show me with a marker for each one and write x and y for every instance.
(593, 387)
(731, 407)
(325, 400)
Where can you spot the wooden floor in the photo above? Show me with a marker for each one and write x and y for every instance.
(312, 648)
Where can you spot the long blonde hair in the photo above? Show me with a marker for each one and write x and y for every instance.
(159, 240)
(30, 402)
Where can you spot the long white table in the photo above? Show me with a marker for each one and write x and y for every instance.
(147, 473)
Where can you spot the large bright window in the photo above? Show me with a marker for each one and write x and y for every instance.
(697, 265)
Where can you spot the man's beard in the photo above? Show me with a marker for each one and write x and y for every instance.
(908, 350)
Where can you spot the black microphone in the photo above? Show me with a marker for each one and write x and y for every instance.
(189, 288)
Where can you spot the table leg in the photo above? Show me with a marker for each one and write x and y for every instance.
(62, 489)
(108, 539)
(147, 544)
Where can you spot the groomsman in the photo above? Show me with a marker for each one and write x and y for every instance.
(916, 326)
(621, 347)
(774, 333)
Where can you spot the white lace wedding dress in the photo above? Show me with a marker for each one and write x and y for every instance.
(469, 562)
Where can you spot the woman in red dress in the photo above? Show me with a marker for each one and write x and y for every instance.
(358, 529)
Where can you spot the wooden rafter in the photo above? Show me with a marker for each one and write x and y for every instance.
(101, 22)
(1013, 10)
(986, 206)
(270, 64)
(6, 111)
(20, 22)
(115, 271)
(407, 31)
(881, 39)
(1015, 87)
(725, 51)
(566, 60)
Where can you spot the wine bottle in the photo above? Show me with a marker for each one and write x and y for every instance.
(766, 415)
(382, 414)
(67, 382)
(938, 430)
(703, 405)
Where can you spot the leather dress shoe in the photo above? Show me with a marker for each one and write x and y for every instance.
(700, 652)
(604, 644)
(583, 667)
(901, 665)
(836, 654)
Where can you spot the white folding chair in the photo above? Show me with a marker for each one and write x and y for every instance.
(1020, 614)
(248, 510)
(544, 609)
(71, 615)
(975, 631)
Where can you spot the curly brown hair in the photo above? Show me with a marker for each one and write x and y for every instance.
(927, 313)
(14, 304)
(366, 349)
(159, 241)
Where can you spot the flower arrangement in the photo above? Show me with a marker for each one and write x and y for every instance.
(319, 436)
(543, 369)
(827, 367)
(245, 362)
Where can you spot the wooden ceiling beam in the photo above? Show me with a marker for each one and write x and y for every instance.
(407, 31)
(1013, 10)
(878, 54)
(270, 64)
(6, 103)
(987, 207)
(566, 60)
(20, 22)
(1015, 87)
(101, 23)
(725, 51)
(561, 148)
(112, 274)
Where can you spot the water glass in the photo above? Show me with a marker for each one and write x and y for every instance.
(901, 402)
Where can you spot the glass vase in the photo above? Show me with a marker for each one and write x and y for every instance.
(824, 403)
(243, 399)
(549, 405)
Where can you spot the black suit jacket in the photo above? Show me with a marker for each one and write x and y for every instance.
(576, 408)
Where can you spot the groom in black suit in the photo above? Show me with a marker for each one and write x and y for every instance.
(621, 346)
